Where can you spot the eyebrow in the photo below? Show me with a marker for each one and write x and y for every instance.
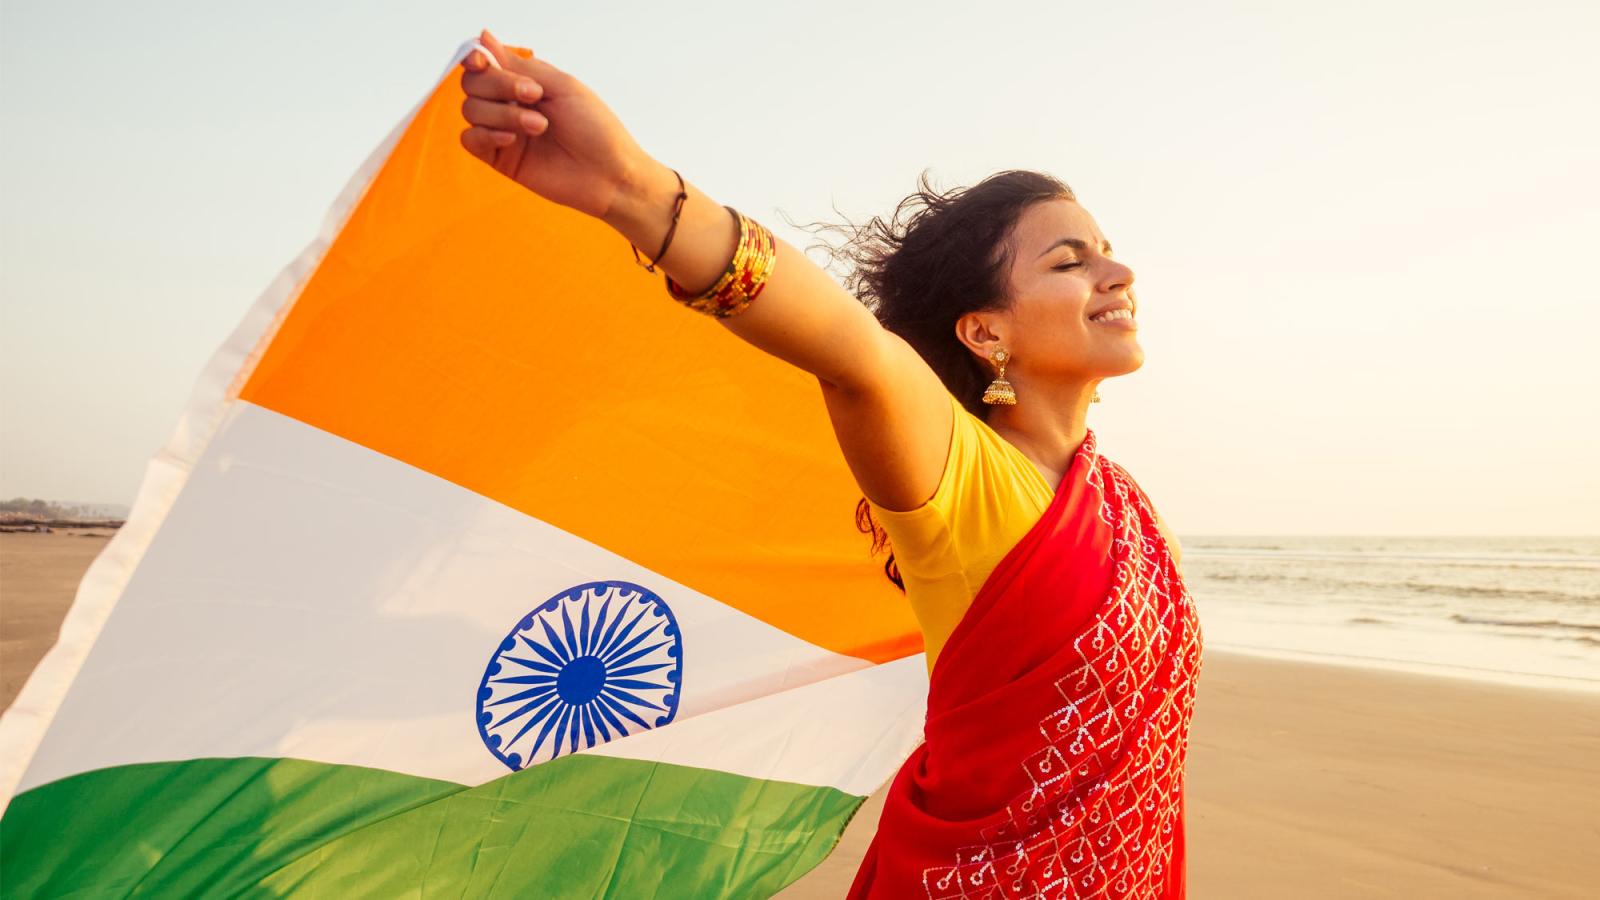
(1076, 245)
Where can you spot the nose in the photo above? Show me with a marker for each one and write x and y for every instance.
(1117, 278)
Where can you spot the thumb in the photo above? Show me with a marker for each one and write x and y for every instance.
(496, 49)
(519, 60)
(505, 56)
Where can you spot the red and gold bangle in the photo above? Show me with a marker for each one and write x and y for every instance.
(747, 273)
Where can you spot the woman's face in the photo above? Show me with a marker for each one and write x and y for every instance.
(1061, 275)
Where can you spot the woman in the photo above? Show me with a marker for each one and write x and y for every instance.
(1062, 644)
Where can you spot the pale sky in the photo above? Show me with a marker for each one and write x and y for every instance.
(1363, 233)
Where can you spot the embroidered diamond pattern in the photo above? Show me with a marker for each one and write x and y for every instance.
(1099, 817)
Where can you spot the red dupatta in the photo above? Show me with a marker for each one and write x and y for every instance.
(1058, 718)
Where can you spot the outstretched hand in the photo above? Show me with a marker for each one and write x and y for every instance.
(544, 129)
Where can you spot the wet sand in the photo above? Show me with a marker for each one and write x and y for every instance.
(1304, 780)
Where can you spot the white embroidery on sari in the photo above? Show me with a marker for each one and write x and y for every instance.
(1098, 820)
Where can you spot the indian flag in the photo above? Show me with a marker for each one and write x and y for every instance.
(475, 566)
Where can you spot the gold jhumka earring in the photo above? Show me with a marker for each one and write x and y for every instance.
(1000, 392)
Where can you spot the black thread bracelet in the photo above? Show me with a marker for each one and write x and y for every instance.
(677, 210)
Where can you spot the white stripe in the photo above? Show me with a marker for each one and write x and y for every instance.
(850, 732)
(311, 598)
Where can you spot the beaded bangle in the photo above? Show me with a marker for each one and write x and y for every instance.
(747, 273)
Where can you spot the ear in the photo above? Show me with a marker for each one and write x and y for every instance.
(982, 332)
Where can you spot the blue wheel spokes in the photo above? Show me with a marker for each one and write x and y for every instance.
(605, 654)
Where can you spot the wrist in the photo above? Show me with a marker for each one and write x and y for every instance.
(641, 206)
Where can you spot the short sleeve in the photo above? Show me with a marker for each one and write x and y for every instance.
(988, 496)
(921, 536)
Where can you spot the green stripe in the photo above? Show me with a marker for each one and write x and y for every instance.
(580, 826)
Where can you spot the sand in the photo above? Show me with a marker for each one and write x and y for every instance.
(1305, 781)
(39, 575)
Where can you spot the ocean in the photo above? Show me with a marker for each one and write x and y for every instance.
(1523, 610)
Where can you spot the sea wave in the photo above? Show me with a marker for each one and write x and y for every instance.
(1382, 661)
(1523, 623)
(1325, 582)
(1541, 561)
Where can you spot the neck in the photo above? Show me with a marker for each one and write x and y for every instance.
(1048, 424)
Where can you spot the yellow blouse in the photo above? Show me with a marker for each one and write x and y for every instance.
(989, 496)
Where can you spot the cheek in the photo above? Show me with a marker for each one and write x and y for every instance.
(1063, 310)
(1054, 335)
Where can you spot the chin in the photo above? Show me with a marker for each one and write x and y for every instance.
(1130, 362)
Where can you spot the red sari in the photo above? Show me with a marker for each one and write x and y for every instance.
(1058, 718)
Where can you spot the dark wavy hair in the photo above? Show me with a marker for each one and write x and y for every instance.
(939, 256)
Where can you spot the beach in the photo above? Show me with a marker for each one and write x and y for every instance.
(1304, 779)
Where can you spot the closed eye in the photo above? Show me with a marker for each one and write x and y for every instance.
(1071, 265)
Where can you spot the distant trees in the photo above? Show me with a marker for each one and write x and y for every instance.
(45, 509)
(31, 507)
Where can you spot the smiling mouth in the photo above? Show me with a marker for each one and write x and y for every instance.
(1113, 315)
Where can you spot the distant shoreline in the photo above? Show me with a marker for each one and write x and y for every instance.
(39, 525)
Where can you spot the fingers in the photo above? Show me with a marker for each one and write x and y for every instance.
(488, 78)
(498, 84)
(514, 60)
(504, 116)
(502, 83)
(483, 142)
(502, 53)
(511, 59)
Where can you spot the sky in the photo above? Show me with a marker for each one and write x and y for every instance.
(1363, 233)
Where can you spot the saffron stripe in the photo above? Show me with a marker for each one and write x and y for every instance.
(467, 327)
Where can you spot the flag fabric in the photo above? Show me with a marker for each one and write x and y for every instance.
(475, 566)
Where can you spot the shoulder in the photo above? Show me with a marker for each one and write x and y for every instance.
(987, 491)
(958, 459)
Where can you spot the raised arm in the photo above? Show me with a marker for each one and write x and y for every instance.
(547, 131)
